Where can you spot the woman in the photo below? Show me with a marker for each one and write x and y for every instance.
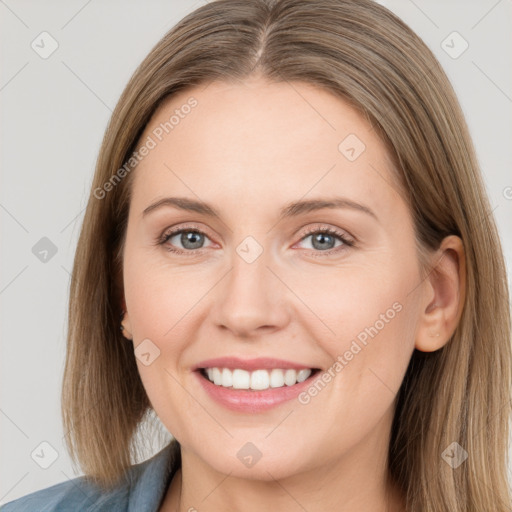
(289, 256)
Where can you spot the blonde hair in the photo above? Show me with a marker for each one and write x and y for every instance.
(371, 59)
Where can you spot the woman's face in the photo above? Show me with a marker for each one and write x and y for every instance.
(263, 279)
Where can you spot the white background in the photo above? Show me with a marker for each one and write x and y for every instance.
(54, 113)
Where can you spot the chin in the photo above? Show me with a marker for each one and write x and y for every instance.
(252, 461)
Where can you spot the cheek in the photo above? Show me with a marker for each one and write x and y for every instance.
(369, 360)
(372, 319)
(158, 297)
(360, 301)
(159, 301)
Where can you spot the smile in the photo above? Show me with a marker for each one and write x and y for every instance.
(256, 380)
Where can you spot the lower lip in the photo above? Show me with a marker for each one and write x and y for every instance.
(244, 400)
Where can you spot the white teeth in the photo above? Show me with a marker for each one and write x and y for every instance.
(290, 377)
(217, 376)
(241, 379)
(227, 377)
(276, 378)
(258, 379)
(302, 375)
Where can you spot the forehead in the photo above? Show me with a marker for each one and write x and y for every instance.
(269, 141)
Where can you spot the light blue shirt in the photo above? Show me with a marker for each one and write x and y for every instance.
(142, 491)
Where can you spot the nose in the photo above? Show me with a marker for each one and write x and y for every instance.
(251, 300)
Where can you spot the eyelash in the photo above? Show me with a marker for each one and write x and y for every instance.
(194, 252)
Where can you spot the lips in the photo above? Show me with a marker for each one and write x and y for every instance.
(260, 363)
(253, 385)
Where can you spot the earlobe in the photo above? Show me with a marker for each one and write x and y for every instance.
(445, 298)
(432, 333)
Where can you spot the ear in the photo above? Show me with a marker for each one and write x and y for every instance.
(445, 291)
(125, 322)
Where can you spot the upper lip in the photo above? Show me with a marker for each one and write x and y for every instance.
(260, 363)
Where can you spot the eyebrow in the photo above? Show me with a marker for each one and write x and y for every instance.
(293, 209)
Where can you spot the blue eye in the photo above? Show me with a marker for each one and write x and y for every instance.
(322, 240)
(192, 240)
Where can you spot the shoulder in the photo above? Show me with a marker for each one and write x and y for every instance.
(75, 494)
(143, 488)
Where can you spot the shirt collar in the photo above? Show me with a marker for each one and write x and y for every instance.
(149, 480)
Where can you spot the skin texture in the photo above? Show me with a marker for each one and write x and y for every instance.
(249, 149)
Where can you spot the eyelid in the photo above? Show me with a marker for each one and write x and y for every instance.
(186, 226)
(174, 230)
(347, 241)
(321, 227)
